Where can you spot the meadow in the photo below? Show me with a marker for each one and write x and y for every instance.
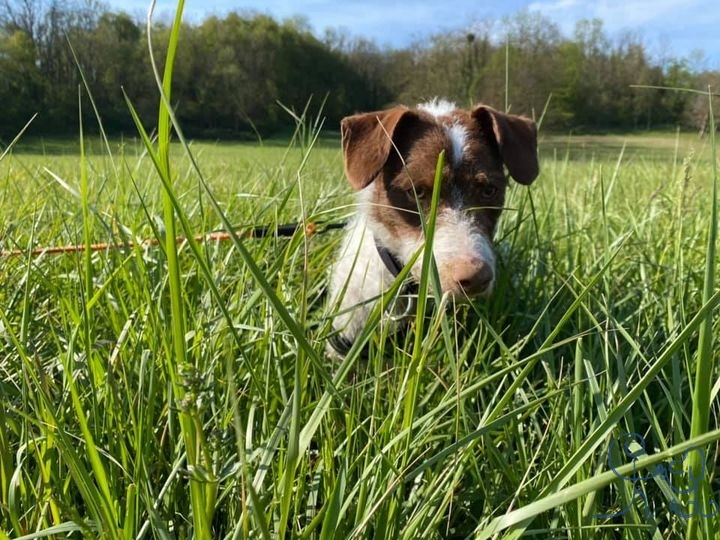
(151, 394)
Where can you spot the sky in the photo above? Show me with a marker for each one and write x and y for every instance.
(668, 28)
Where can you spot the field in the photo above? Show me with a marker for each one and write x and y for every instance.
(181, 391)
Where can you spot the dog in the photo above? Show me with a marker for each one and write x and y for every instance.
(390, 159)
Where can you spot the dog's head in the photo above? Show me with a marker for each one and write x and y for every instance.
(391, 156)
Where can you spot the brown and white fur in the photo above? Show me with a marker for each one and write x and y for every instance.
(390, 159)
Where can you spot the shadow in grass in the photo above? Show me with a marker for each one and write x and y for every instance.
(94, 146)
(652, 146)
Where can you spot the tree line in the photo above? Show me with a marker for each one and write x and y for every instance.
(236, 75)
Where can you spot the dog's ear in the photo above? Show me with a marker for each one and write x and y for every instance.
(367, 140)
(516, 139)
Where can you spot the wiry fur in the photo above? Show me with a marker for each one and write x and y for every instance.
(390, 158)
(438, 107)
(358, 276)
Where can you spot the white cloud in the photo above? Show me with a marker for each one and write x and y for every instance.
(632, 13)
(628, 14)
(554, 6)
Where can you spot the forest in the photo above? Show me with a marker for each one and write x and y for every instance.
(238, 75)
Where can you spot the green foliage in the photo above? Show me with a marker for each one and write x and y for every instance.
(235, 73)
(180, 390)
(495, 415)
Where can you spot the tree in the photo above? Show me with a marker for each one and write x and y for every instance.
(21, 81)
(232, 73)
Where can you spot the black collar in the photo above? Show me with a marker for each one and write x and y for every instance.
(389, 260)
(394, 266)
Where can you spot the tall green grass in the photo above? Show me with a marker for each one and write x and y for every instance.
(182, 391)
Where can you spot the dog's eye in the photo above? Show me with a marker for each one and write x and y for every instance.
(416, 192)
(488, 191)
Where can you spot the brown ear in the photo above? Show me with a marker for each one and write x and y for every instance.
(367, 142)
(516, 137)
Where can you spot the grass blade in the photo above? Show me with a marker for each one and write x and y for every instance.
(704, 366)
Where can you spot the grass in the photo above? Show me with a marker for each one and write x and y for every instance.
(498, 418)
(182, 391)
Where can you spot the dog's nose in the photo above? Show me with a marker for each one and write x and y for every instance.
(472, 277)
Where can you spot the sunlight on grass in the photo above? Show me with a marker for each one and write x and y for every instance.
(182, 391)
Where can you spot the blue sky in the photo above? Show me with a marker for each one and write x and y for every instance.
(667, 27)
